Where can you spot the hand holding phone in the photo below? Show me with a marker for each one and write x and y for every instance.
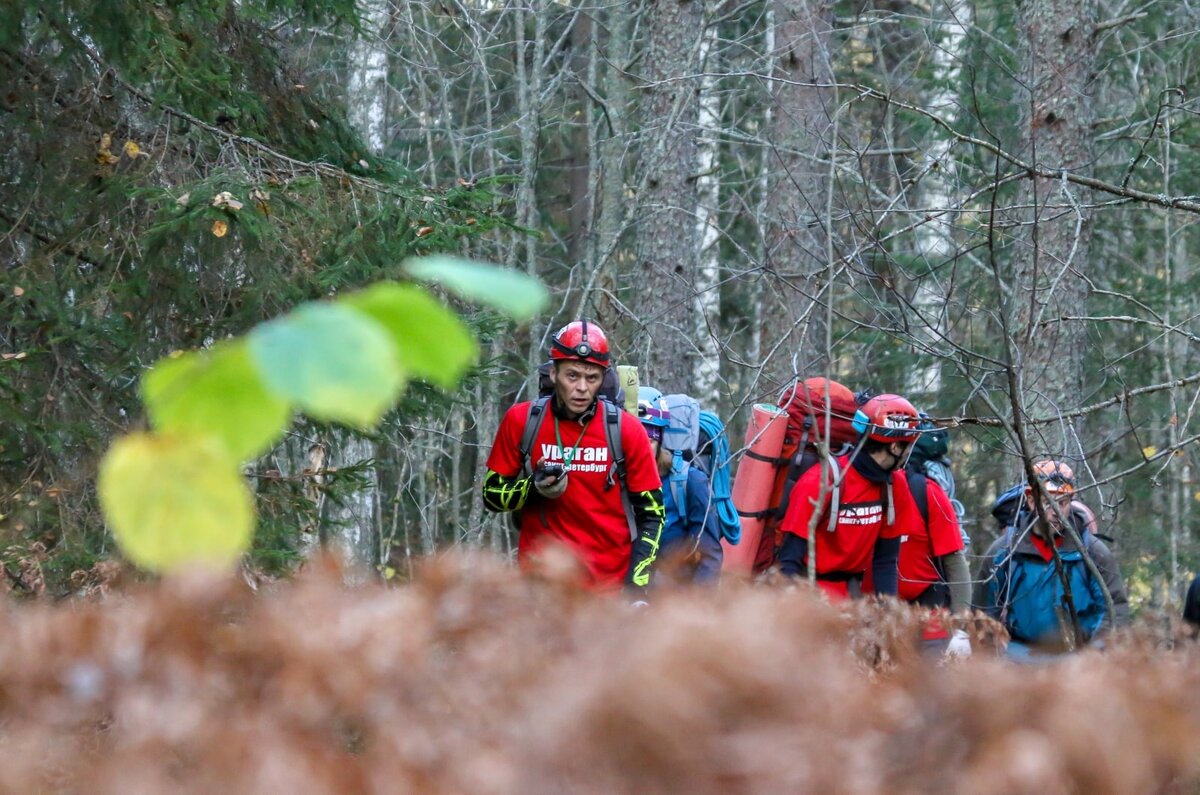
(550, 479)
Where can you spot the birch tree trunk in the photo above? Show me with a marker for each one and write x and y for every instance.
(354, 519)
(706, 312)
(367, 84)
(1053, 254)
(767, 157)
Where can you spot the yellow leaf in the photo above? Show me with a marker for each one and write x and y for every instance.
(220, 228)
(1149, 451)
(132, 150)
(18, 292)
(174, 501)
(105, 142)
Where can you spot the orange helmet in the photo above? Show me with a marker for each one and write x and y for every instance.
(580, 341)
(887, 418)
(1055, 476)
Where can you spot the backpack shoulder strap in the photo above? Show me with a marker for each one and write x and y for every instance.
(835, 498)
(616, 472)
(533, 426)
(612, 433)
(793, 469)
(918, 486)
(678, 482)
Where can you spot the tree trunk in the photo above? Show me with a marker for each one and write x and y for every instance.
(935, 239)
(1053, 252)
(529, 58)
(611, 143)
(353, 521)
(1176, 268)
(706, 314)
(797, 213)
(367, 84)
(579, 170)
(665, 291)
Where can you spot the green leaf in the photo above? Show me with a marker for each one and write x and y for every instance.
(332, 361)
(217, 393)
(432, 343)
(173, 501)
(517, 294)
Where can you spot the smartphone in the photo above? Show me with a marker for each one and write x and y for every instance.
(552, 469)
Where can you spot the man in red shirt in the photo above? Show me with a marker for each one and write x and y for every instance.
(850, 506)
(569, 488)
(933, 567)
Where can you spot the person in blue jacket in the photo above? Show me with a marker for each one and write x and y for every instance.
(1020, 583)
(691, 531)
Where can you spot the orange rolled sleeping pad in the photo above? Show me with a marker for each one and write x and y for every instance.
(753, 484)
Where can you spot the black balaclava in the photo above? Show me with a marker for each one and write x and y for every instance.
(870, 469)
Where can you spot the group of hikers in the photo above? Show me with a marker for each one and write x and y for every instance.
(577, 471)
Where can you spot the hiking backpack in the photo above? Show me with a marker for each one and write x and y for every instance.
(1028, 594)
(930, 459)
(813, 416)
(697, 437)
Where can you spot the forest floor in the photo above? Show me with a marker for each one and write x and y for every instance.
(471, 679)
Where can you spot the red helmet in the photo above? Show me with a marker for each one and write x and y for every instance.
(888, 418)
(580, 341)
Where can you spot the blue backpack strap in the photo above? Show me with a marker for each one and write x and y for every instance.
(678, 481)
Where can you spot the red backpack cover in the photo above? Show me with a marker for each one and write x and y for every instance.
(806, 403)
